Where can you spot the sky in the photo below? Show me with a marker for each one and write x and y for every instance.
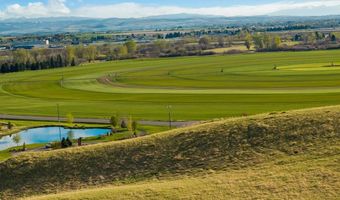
(146, 8)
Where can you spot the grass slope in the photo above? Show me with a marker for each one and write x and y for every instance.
(305, 141)
(194, 86)
(312, 177)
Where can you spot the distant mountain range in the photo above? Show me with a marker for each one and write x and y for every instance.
(76, 24)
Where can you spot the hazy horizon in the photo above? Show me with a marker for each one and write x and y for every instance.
(148, 8)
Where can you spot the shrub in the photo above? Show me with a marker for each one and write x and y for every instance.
(123, 124)
(70, 118)
(10, 125)
(114, 121)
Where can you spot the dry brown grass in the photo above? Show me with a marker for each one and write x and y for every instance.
(233, 144)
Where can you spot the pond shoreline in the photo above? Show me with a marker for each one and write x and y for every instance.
(15, 131)
(49, 133)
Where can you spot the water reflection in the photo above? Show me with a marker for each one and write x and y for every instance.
(47, 134)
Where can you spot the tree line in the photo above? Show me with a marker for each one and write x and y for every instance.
(37, 59)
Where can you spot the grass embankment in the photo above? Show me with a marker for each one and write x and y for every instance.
(264, 148)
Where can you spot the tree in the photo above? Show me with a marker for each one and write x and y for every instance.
(9, 125)
(59, 61)
(159, 46)
(247, 41)
(267, 41)
(318, 36)
(333, 38)
(70, 134)
(204, 42)
(220, 41)
(122, 51)
(310, 38)
(123, 124)
(129, 125)
(114, 121)
(131, 47)
(22, 56)
(297, 37)
(70, 55)
(258, 41)
(277, 42)
(134, 127)
(73, 62)
(16, 139)
(65, 143)
(69, 118)
(24, 147)
(68, 142)
(90, 53)
(52, 62)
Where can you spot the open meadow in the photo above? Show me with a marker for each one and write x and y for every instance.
(197, 88)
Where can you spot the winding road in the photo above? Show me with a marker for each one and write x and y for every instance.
(94, 120)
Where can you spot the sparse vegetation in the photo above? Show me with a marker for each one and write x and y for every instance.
(300, 141)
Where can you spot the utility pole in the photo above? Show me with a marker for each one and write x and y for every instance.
(169, 112)
(62, 80)
(58, 113)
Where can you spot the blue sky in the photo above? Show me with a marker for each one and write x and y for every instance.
(186, 3)
(145, 8)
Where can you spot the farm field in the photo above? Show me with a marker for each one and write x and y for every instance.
(197, 88)
(241, 47)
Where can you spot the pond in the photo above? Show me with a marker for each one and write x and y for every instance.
(48, 134)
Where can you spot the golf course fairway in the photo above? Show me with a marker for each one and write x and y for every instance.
(197, 88)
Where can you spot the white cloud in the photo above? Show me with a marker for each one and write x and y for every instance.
(53, 8)
(125, 10)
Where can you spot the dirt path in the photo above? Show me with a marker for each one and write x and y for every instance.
(94, 120)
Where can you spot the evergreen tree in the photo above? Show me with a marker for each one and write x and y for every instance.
(73, 62)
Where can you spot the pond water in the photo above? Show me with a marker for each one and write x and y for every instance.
(48, 134)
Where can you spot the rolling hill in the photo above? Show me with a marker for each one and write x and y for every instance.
(286, 155)
(42, 26)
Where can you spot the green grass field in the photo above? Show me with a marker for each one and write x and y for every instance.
(196, 87)
(286, 155)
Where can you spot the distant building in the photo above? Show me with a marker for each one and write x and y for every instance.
(47, 42)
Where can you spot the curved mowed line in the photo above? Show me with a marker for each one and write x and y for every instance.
(191, 80)
(195, 86)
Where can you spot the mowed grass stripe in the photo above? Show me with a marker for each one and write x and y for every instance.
(195, 86)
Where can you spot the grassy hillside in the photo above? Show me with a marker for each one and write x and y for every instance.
(196, 87)
(313, 177)
(298, 150)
